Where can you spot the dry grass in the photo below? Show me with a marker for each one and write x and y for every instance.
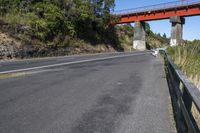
(196, 115)
(187, 57)
(6, 39)
(11, 75)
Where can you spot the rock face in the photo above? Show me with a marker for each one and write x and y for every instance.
(17, 41)
(5, 51)
(11, 48)
(8, 46)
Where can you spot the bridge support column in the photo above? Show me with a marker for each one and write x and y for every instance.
(139, 36)
(177, 30)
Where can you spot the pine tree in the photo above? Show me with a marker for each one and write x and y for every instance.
(164, 35)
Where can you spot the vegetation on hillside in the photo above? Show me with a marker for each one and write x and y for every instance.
(125, 35)
(45, 27)
(153, 40)
(156, 40)
(56, 22)
(187, 57)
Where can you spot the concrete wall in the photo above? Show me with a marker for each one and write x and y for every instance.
(176, 30)
(139, 36)
(177, 22)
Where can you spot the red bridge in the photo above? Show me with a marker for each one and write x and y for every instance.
(182, 8)
(176, 11)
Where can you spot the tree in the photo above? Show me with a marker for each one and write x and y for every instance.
(147, 27)
(85, 19)
(164, 35)
(5, 6)
(109, 5)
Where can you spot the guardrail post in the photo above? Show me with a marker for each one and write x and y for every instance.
(183, 95)
(187, 100)
(188, 104)
(180, 118)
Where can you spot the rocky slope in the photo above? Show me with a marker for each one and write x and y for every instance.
(17, 41)
(9, 46)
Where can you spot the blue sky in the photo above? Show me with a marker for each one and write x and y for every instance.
(191, 28)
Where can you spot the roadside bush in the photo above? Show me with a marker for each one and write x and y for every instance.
(187, 57)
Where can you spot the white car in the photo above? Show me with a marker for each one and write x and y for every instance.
(155, 52)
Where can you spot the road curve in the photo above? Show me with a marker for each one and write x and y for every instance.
(116, 95)
(11, 66)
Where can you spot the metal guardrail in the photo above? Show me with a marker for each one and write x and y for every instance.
(162, 6)
(184, 96)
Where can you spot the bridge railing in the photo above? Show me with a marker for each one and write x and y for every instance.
(185, 98)
(156, 7)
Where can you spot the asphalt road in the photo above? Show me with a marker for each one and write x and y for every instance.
(7, 66)
(116, 95)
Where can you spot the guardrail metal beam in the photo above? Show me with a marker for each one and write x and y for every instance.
(185, 94)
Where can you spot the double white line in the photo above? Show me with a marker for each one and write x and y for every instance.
(70, 63)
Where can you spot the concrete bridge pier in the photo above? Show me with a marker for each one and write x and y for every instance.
(139, 36)
(177, 30)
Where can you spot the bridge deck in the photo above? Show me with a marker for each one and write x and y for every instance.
(160, 11)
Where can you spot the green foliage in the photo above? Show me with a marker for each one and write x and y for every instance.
(156, 40)
(52, 19)
(125, 35)
(187, 57)
(4, 6)
(147, 27)
(164, 35)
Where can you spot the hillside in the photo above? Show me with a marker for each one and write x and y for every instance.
(52, 28)
(153, 40)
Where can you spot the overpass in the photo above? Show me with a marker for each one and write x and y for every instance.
(175, 11)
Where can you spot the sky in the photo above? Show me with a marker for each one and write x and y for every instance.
(191, 29)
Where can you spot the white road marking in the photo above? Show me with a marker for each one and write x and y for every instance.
(70, 63)
(59, 57)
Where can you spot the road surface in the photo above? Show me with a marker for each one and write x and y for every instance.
(126, 94)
